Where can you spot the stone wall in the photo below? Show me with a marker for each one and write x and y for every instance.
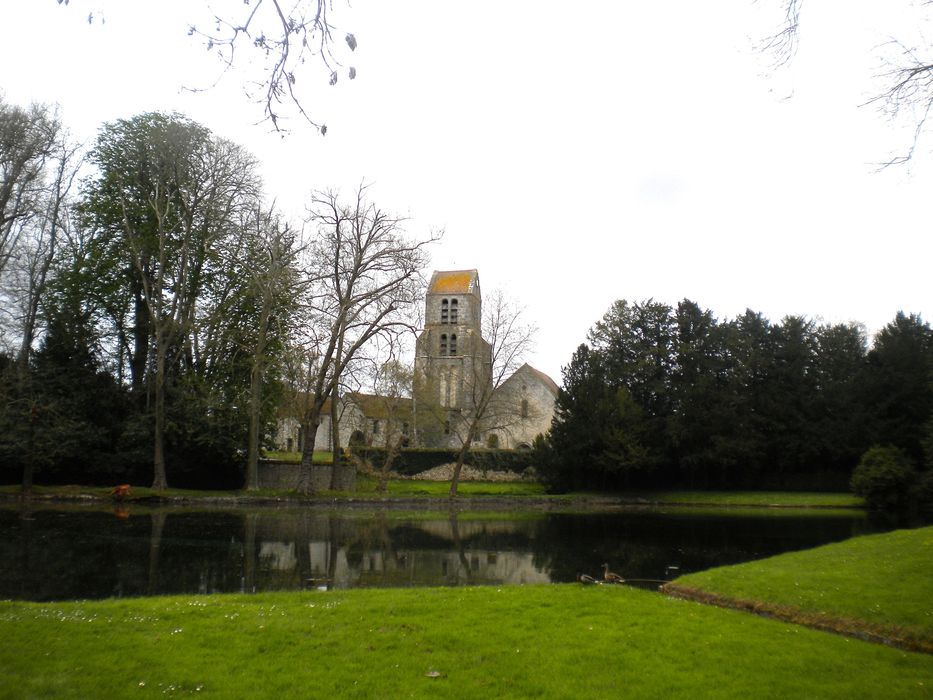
(283, 476)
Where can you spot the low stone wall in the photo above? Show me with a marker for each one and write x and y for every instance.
(278, 476)
(283, 476)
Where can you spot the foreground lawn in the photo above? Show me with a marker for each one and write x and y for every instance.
(880, 583)
(542, 641)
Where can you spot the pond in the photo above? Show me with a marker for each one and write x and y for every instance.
(62, 554)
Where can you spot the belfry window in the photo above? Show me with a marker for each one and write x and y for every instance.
(453, 344)
(443, 343)
(445, 311)
(453, 311)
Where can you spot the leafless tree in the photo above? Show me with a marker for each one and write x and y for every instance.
(275, 274)
(362, 275)
(907, 77)
(28, 138)
(39, 163)
(510, 340)
(392, 384)
(282, 38)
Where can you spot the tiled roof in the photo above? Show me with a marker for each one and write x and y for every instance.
(453, 282)
(375, 406)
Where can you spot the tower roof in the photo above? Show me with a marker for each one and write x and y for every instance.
(454, 282)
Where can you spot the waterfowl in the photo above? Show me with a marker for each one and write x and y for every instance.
(610, 577)
(586, 578)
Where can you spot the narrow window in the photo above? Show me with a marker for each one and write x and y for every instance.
(453, 344)
(445, 307)
(405, 428)
(524, 408)
(375, 427)
(446, 427)
(443, 343)
(453, 311)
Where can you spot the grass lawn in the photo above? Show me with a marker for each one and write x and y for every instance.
(320, 457)
(405, 487)
(555, 641)
(876, 583)
(751, 498)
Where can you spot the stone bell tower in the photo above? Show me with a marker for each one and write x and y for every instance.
(452, 361)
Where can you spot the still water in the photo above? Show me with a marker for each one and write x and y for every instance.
(74, 554)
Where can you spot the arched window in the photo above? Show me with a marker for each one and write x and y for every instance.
(524, 408)
(445, 311)
(443, 343)
(453, 344)
(453, 311)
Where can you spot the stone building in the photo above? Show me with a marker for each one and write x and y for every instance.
(528, 397)
(365, 419)
(452, 369)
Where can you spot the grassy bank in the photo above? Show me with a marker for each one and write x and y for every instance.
(773, 499)
(430, 490)
(877, 585)
(544, 641)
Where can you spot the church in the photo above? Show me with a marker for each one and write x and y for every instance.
(453, 376)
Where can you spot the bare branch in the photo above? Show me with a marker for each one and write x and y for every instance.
(281, 39)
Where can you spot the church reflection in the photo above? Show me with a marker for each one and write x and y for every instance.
(380, 554)
(61, 554)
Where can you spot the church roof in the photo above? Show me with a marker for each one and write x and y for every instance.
(549, 383)
(453, 282)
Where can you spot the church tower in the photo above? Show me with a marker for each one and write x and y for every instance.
(452, 360)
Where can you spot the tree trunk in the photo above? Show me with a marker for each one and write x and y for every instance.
(140, 355)
(393, 448)
(461, 458)
(255, 401)
(252, 451)
(159, 481)
(309, 428)
(29, 466)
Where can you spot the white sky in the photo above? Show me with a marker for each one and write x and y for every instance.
(575, 153)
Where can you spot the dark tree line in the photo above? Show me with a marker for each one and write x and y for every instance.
(662, 396)
(152, 317)
(137, 348)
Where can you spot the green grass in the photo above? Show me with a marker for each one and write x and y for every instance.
(881, 581)
(406, 487)
(736, 503)
(295, 457)
(751, 498)
(511, 642)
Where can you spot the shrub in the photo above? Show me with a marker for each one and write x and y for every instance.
(884, 477)
(924, 491)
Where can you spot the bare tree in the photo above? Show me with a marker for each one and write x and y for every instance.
(510, 339)
(392, 384)
(907, 78)
(38, 165)
(274, 276)
(363, 274)
(282, 38)
(27, 140)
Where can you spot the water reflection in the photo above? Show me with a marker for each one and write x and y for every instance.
(56, 554)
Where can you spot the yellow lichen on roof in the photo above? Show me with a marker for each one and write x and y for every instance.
(452, 282)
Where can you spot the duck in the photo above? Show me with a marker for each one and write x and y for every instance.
(586, 579)
(611, 577)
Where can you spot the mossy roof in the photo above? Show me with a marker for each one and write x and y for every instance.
(453, 282)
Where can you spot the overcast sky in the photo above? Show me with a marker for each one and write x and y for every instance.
(574, 153)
